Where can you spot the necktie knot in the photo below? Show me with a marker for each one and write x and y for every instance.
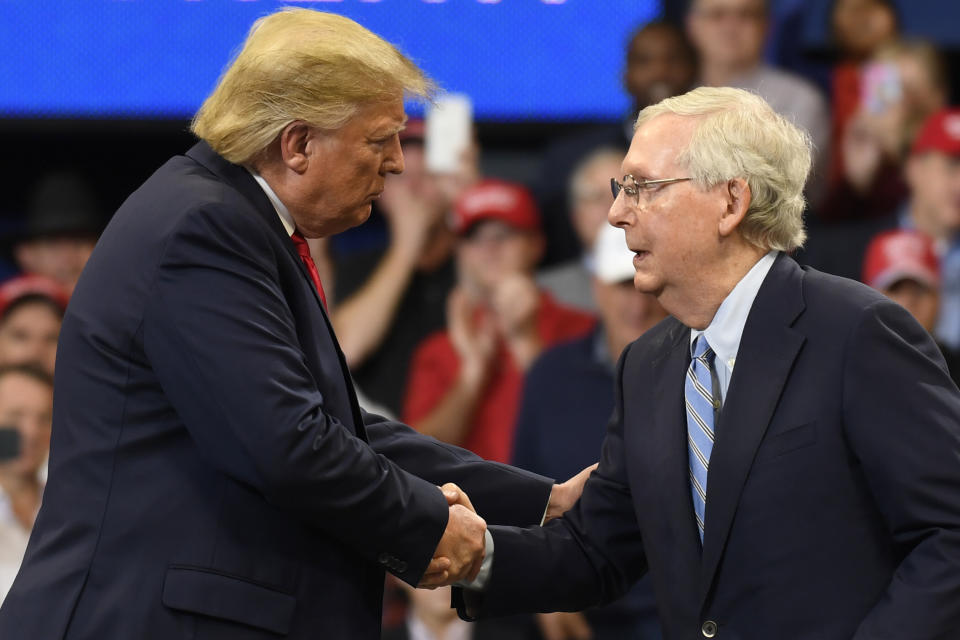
(303, 249)
(301, 244)
(702, 350)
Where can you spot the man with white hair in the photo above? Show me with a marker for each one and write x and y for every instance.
(783, 453)
(212, 475)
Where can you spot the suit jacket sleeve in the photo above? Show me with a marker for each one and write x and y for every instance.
(500, 493)
(222, 341)
(591, 555)
(902, 413)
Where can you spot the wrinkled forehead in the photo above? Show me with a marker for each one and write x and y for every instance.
(657, 145)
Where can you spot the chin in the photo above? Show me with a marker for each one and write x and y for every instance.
(363, 214)
(645, 283)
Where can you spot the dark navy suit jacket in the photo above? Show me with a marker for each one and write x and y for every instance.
(833, 505)
(211, 474)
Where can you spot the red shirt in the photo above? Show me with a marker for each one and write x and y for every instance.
(436, 364)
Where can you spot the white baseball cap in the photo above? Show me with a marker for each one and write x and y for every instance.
(612, 260)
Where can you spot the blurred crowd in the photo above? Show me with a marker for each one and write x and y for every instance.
(456, 324)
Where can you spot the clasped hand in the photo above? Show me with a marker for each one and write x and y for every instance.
(459, 554)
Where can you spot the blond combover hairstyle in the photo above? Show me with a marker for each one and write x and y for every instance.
(300, 64)
(738, 135)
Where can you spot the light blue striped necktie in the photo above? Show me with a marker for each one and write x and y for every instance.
(699, 394)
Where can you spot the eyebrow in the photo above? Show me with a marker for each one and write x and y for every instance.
(403, 125)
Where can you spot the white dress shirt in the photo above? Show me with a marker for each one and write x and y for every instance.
(281, 208)
(725, 330)
(13, 544)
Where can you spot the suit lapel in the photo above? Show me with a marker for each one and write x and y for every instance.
(669, 440)
(765, 358)
(242, 181)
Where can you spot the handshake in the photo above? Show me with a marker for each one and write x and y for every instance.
(460, 553)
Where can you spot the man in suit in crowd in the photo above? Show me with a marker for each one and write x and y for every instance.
(212, 475)
(783, 453)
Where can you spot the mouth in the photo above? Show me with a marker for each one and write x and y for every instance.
(639, 257)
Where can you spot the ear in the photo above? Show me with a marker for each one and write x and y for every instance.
(738, 197)
(293, 146)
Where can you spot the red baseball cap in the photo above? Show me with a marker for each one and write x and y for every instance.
(414, 131)
(493, 199)
(940, 132)
(32, 285)
(901, 255)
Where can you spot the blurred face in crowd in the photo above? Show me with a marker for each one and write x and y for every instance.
(934, 180)
(59, 258)
(492, 250)
(673, 228)
(921, 301)
(861, 26)
(728, 33)
(29, 332)
(591, 197)
(26, 404)
(659, 65)
(626, 313)
(336, 175)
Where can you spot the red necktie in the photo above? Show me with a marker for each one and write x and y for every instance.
(304, 250)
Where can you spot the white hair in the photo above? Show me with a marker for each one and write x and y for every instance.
(738, 135)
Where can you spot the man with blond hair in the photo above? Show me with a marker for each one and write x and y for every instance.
(212, 475)
(784, 451)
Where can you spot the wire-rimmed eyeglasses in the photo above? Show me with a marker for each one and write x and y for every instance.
(632, 187)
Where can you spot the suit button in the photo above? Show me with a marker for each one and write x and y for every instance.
(401, 566)
(383, 558)
(709, 629)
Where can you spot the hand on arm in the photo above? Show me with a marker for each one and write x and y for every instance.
(565, 495)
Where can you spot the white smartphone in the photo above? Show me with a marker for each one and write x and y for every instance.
(449, 127)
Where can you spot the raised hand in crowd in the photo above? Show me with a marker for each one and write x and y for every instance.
(473, 333)
(411, 209)
(413, 206)
(863, 152)
(473, 336)
(515, 302)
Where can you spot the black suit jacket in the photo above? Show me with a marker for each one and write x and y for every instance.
(833, 508)
(211, 473)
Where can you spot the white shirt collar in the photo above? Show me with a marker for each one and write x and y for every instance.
(725, 330)
(281, 208)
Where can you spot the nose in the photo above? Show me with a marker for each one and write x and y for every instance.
(393, 159)
(618, 216)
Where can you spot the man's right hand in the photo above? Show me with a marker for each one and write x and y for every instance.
(462, 546)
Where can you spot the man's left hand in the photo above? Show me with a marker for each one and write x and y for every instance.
(564, 495)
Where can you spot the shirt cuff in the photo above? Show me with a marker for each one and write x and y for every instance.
(483, 577)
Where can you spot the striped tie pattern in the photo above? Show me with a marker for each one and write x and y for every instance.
(699, 396)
